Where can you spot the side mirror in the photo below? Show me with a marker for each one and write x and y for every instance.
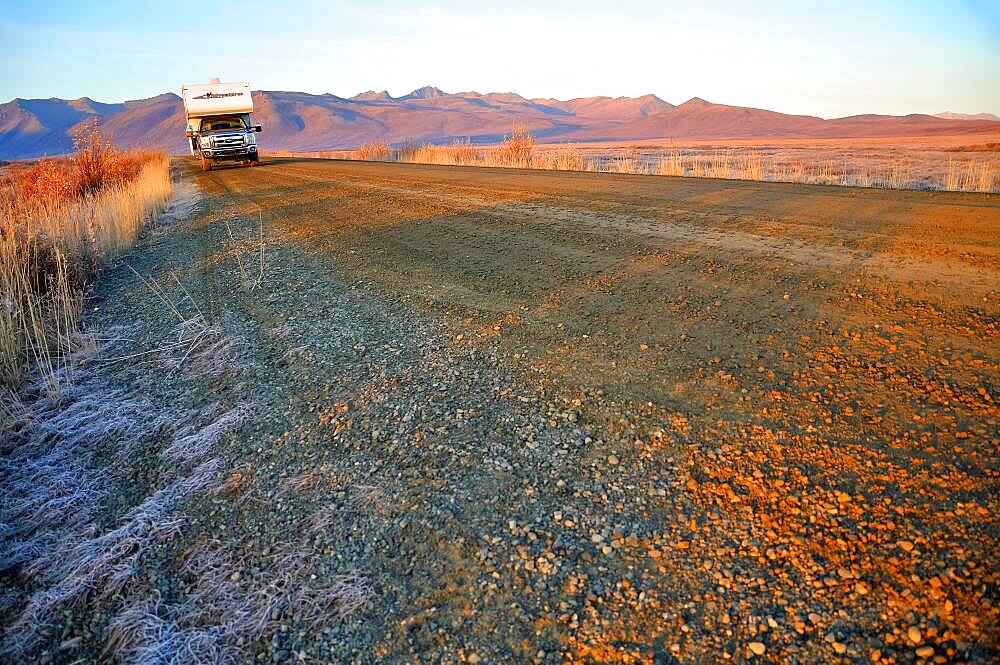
(189, 134)
(258, 128)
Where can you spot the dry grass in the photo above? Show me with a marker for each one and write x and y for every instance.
(85, 566)
(315, 154)
(887, 166)
(221, 613)
(66, 454)
(671, 164)
(191, 442)
(60, 221)
(515, 151)
(61, 458)
(457, 154)
(251, 279)
(375, 151)
(750, 165)
(40, 308)
(48, 487)
(560, 159)
(200, 349)
(969, 176)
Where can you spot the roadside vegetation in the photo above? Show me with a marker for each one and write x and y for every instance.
(61, 220)
(100, 474)
(518, 150)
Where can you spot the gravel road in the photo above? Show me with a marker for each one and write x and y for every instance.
(568, 417)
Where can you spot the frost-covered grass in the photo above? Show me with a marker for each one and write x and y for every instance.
(222, 611)
(61, 458)
(64, 457)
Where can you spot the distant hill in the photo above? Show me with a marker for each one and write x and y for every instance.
(301, 121)
(948, 115)
(38, 127)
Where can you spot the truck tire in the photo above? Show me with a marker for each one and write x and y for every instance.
(206, 164)
(254, 159)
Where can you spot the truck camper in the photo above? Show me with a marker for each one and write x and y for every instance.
(219, 126)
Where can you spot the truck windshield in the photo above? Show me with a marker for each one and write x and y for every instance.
(215, 124)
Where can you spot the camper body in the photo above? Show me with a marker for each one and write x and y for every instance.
(219, 123)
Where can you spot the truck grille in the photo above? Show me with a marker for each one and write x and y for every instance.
(230, 141)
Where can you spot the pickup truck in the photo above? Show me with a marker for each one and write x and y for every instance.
(219, 125)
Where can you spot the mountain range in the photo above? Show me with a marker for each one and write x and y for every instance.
(949, 115)
(307, 122)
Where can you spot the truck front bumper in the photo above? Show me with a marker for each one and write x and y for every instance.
(243, 152)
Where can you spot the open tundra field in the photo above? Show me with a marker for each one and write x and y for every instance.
(383, 412)
(946, 162)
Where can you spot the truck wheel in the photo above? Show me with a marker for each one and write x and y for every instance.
(254, 159)
(206, 164)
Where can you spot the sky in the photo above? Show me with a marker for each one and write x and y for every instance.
(819, 58)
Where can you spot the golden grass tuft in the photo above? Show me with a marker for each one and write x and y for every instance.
(565, 158)
(459, 153)
(462, 153)
(376, 151)
(515, 151)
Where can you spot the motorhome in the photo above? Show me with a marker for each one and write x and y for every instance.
(219, 126)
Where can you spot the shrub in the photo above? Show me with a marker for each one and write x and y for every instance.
(514, 151)
(46, 183)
